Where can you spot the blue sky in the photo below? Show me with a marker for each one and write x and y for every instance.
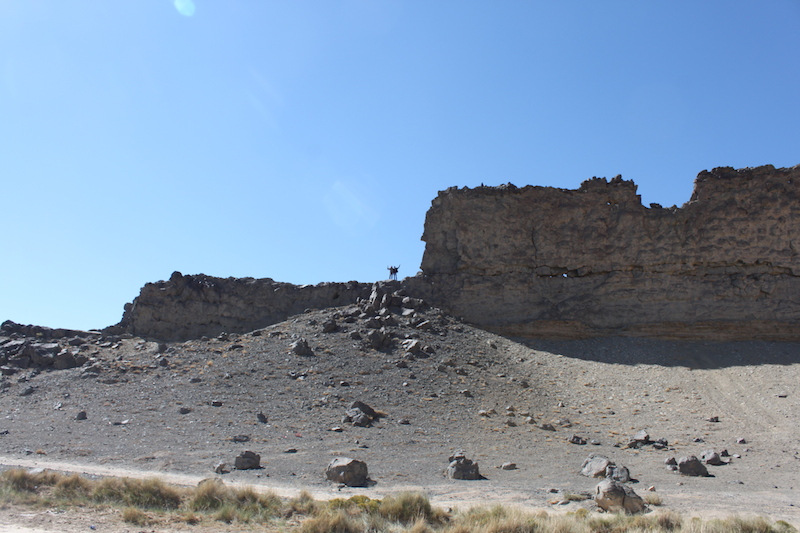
(304, 140)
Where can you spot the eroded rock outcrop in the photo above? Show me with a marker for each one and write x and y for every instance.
(595, 261)
(541, 261)
(186, 307)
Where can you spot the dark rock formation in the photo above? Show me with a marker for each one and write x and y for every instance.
(595, 261)
(187, 307)
(541, 261)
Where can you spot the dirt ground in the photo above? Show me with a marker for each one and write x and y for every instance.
(173, 411)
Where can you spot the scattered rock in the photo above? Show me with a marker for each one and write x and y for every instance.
(462, 468)
(575, 439)
(546, 427)
(222, 468)
(615, 497)
(262, 418)
(691, 466)
(618, 473)
(508, 466)
(360, 414)
(81, 415)
(712, 419)
(301, 347)
(350, 472)
(184, 410)
(711, 457)
(595, 465)
(247, 460)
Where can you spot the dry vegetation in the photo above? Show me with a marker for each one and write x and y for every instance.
(153, 503)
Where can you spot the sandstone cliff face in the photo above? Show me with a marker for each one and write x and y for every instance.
(187, 307)
(595, 261)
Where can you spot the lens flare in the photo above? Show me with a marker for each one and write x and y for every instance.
(185, 7)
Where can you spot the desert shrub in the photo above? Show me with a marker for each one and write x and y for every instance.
(109, 490)
(226, 513)
(575, 497)
(651, 498)
(152, 493)
(784, 527)
(669, 520)
(303, 504)
(356, 504)
(209, 495)
(135, 516)
(332, 521)
(499, 519)
(421, 526)
(408, 507)
(21, 480)
(72, 487)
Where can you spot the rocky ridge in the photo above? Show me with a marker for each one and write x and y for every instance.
(557, 263)
(594, 261)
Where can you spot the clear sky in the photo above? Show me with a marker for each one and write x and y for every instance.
(304, 140)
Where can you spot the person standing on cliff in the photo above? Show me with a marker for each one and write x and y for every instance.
(393, 272)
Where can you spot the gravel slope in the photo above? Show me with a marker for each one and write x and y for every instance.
(176, 408)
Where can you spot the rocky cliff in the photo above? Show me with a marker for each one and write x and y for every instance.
(595, 261)
(186, 307)
(558, 263)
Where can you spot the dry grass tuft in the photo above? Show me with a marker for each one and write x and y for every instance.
(210, 495)
(137, 517)
(72, 487)
(332, 521)
(409, 507)
(652, 498)
(401, 513)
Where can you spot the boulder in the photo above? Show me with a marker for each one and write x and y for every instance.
(378, 337)
(247, 460)
(462, 468)
(412, 345)
(366, 409)
(615, 497)
(711, 457)
(301, 347)
(357, 417)
(618, 473)
(595, 465)
(350, 472)
(360, 414)
(691, 466)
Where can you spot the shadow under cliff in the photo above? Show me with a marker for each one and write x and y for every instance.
(697, 355)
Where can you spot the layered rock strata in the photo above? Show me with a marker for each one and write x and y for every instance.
(594, 261)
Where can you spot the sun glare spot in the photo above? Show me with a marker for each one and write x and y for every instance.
(185, 7)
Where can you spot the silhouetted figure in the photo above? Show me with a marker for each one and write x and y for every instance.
(393, 272)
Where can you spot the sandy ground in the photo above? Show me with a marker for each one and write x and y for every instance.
(602, 389)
